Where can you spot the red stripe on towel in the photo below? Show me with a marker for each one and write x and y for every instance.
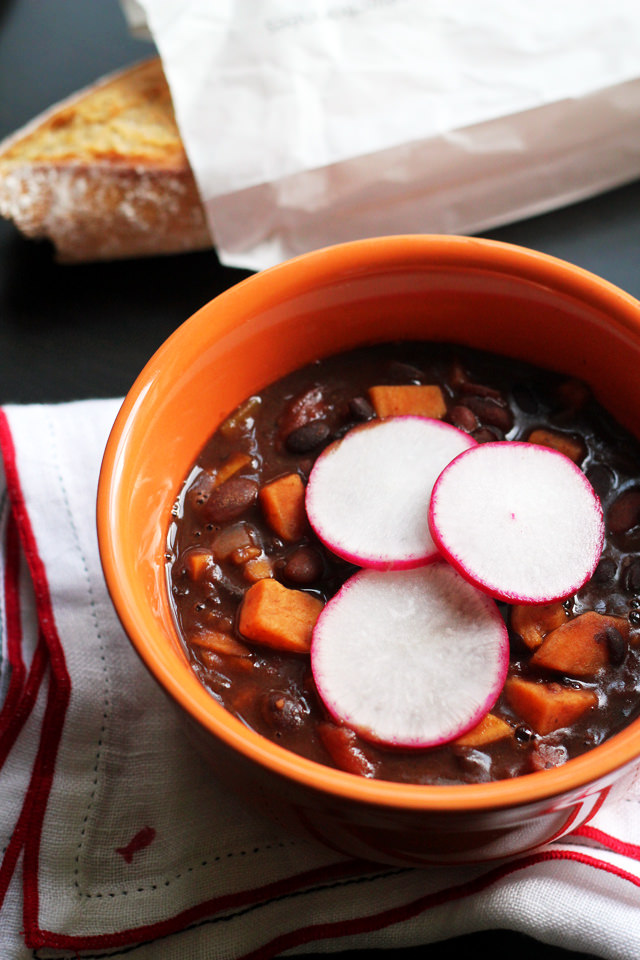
(606, 840)
(29, 828)
(13, 622)
(297, 938)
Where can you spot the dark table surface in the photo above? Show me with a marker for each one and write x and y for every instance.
(70, 332)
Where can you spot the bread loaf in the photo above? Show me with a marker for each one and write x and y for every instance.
(104, 174)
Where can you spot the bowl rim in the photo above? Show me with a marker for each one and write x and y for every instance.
(579, 776)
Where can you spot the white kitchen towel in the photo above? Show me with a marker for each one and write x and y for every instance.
(117, 840)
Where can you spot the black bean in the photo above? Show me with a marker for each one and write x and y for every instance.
(616, 645)
(630, 574)
(601, 478)
(338, 434)
(605, 571)
(308, 437)
(303, 566)
(231, 499)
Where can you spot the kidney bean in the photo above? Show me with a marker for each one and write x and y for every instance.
(624, 513)
(200, 490)
(303, 566)
(491, 412)
(303, 408)
(463, 418)
(308, 437)
(460, 380)
(485, 435)
(481, 390)
(231, 499)
(404, 372)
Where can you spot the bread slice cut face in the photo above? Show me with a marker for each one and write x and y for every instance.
(104, 174)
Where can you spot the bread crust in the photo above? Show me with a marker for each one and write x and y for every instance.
(104, 175)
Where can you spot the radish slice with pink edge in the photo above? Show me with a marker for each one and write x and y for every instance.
(368, 494)
(409, 658)
(518, 520)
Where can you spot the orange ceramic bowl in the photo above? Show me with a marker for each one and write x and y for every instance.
(480, 293)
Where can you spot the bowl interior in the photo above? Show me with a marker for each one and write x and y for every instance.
(479, 293)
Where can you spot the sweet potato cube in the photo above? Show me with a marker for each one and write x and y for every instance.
(547, 706)
(258, 569)
(396, 401)
(490, 729)
(562, 442)
(532, 622)
(282, 503)
(198, 563)
(277, 617)
(580, 647)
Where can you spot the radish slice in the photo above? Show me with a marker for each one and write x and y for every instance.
(368, 494)
(518, 520)
(409, 658)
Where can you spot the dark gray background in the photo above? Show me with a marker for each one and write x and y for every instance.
(69, 332)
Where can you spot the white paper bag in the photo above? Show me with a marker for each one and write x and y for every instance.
(310, 124)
